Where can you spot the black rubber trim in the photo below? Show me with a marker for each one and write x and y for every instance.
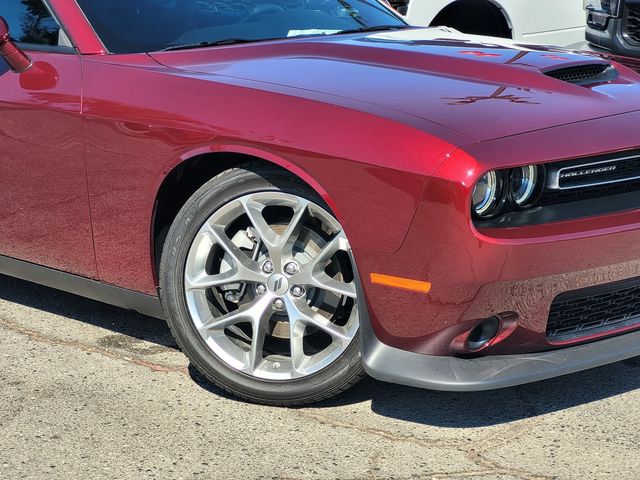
(85, 287)
(35, 47)
(565, 211)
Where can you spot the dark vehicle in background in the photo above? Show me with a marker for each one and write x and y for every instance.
(402, 6)
(614, 25)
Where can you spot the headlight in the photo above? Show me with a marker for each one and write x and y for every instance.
(524, 184)
(486, 194)
(606, 7)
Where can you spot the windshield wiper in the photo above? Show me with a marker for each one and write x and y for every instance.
(235, 41)
(226, 41)
(374, 28)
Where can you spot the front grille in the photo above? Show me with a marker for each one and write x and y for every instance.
(554, 197)
(591, 178)
(584, 74)
(592, 310)
(632, 22)
(599, 173)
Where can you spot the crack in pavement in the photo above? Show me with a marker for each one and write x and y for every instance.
(487, 467)
(477, 457)
(39, 337)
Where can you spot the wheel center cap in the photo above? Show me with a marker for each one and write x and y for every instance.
(278, 284)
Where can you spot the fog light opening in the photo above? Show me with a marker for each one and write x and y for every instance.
(482, 334)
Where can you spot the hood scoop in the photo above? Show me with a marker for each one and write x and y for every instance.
(585, 74)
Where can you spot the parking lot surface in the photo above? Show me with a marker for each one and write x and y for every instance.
(96, 392)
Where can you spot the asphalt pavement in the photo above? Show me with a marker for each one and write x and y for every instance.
(90, 391)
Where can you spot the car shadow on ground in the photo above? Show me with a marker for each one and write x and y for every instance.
(441, 409)
(117, 320)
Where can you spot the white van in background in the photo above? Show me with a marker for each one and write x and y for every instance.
(552, 22)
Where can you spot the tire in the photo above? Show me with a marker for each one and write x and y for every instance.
(285, 337)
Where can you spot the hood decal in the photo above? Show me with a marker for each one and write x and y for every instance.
(484, 88)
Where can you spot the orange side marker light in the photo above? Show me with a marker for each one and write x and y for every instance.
(400, 282)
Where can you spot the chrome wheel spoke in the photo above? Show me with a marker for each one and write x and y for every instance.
(257, 346)
(242, 314)
(314, 275)
(261, 314)
(280, 246)
(296, 343)
(333, 246)
(302, 313)
(289, 236)
(325, 282)
(254, 209)
(202, 281)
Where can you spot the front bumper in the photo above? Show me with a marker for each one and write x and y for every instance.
(614, 37)
(487, 373)
(512, 272)
(612, 40)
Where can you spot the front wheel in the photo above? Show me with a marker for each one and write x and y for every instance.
(260, 290)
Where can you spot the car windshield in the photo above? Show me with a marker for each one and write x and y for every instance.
(134, 26)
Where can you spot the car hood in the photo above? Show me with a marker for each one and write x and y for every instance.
(484, 88)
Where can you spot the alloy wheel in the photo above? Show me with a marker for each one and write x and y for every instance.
(269, 285)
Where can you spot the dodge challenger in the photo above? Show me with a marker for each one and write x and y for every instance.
(308, 191)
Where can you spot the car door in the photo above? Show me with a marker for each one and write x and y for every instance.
(557, 22)
(44, 210)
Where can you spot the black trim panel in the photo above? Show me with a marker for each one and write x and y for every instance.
(85, 287)
(601, 194)
(565, 211)
(42, 48)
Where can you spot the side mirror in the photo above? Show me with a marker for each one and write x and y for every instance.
(14, 56)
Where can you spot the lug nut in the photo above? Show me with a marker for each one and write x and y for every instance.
(278, 304)
(261, 289)
(267, 267)
(291, 268)
(297, 291)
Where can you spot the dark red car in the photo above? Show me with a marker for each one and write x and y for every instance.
(310, 189)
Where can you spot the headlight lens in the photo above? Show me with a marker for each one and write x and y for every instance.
(524, 184)
(486, 194)
(607, 7)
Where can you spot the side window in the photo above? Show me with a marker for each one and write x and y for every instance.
(30, 22)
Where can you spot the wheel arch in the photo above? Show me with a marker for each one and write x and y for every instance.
(455, 7)
(184, 175)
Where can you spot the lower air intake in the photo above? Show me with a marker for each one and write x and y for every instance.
(594, 310)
